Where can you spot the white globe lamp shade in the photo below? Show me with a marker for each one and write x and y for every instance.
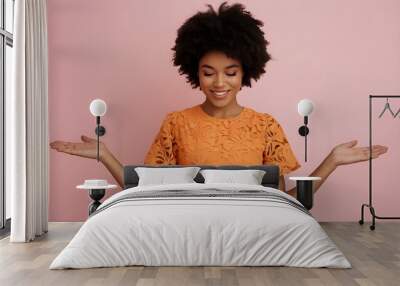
(98, 107)
(305, 107)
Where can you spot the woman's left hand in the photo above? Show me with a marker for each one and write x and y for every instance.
(347, 153)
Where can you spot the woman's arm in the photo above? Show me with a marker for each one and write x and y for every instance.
(88, 149)
(323, 170)
(342, 154)
(113, 166)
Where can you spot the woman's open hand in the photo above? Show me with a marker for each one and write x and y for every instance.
(87, 148)
(347, 153)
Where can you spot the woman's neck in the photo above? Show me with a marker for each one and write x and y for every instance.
(228, 111)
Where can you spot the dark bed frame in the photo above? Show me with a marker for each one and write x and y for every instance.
(270, 179)
(304, 189)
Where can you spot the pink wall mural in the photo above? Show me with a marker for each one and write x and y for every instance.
(335, 53)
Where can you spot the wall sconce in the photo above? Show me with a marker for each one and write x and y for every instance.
(98, 108)
(304, 108)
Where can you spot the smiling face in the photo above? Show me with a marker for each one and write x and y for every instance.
(220, 80)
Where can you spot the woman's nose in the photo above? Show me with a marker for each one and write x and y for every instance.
(219, 80)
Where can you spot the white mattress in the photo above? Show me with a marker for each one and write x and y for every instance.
(183, 231)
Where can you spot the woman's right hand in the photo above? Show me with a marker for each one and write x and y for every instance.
(87, 148)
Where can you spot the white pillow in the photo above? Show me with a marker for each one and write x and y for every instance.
(249, 177)
(162, 176)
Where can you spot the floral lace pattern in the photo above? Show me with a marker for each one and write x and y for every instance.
(192, 137)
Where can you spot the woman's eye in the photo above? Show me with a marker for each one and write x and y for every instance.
(228, 74)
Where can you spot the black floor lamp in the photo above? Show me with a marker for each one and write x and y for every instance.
(98, 108)
(304, 108)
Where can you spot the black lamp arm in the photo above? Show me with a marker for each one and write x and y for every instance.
(99, 131)
(303, 131)
(98, 140)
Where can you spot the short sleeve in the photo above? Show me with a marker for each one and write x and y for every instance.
(277, 148)
(162, 150)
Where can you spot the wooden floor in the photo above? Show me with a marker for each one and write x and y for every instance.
(375, 256)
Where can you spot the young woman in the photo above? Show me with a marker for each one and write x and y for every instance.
(220, 52)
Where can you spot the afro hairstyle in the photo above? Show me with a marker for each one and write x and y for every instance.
(232, 30)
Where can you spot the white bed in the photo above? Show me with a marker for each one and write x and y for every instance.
(185, 230)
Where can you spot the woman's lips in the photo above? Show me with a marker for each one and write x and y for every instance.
(220, 94)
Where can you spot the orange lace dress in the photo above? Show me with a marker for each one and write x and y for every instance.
(192, 137)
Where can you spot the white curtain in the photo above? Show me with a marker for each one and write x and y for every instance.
(27, 123)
